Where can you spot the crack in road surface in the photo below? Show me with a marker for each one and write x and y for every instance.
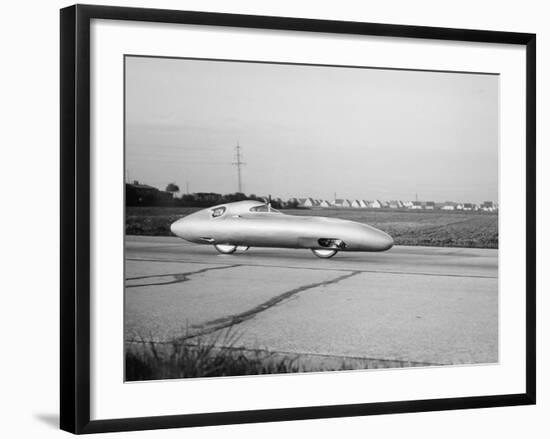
(226, 322)
(178, 277)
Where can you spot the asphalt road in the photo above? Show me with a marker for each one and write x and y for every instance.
(407, 306)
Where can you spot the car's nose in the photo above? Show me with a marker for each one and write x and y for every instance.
(382, 241)
(175, 226)
(372, 239)
(189, 227)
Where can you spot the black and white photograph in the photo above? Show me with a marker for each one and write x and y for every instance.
(298, 218)
(275, 219)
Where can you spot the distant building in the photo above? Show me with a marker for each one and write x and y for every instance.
(416, 205)
(324, 203)
(138, 194)
(208, 198)
(468, 206)
(395, 204)
(143, 188)
(459, 206)
(407, 204)
(341, 202)
(488, 206)
(448, 205)
(376, 204)
(430, 205)
(306, 202)
(356, 204)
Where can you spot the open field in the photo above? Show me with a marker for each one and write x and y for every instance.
(407, 227)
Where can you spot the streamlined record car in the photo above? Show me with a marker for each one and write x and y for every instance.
(237, 226)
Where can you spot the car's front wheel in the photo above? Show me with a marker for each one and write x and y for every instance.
(324, 254)
(225, 249)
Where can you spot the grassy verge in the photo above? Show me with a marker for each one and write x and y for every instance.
(194, 361)
(429, 228)
(194, 357)
(154, 221)
(210, 357)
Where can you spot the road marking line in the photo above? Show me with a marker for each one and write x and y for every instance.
(182, 261)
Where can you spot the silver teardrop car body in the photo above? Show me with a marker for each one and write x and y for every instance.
(237, 226)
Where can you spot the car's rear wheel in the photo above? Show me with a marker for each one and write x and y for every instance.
(225, 249)
(324, 254)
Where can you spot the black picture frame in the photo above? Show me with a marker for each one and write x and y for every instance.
(75, 217)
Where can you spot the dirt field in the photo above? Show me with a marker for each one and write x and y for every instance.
(430, 228)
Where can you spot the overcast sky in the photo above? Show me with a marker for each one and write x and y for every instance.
(312, 131)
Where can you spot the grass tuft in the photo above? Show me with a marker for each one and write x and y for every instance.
(200, 357)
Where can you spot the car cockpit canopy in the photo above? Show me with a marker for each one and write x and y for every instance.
(241, 208)
(265, 208)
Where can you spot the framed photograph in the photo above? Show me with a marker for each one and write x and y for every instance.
(274, 218)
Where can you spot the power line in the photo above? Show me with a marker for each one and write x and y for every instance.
(238, 163)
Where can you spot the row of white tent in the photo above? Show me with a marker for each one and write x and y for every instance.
(487, 206)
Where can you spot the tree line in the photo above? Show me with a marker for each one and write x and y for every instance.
(142, 195)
